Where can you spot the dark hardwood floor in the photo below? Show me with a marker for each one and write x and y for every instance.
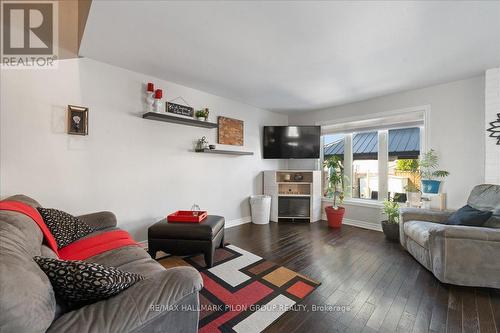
(382, 287)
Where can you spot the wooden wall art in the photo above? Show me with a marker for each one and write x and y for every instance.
(230, 131)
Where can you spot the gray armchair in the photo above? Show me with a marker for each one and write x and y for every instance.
(468, 256)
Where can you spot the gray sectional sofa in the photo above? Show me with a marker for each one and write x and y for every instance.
(463, 255)
(166, 301)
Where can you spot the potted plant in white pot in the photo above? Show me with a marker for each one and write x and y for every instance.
(429, 164)
(202, 114)
(390, 227)
(335, 190)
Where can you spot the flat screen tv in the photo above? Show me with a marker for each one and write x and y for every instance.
(292, 141)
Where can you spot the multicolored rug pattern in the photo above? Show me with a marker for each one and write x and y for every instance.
(242, 291)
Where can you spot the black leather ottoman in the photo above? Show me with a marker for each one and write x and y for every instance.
(187, 238)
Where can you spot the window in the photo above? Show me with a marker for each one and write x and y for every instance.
(333, 146)
(404, 151)
(365, 165)
(364, 178)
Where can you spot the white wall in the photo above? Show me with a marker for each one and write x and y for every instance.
(142, 169)
(492, 108)
(456, 128)
(139, 169)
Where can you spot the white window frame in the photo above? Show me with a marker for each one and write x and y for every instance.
(383, 138)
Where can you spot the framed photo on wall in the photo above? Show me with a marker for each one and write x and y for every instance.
(78, 120)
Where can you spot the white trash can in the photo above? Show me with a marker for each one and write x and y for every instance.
(260, 206)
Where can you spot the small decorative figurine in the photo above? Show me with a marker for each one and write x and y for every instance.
(202, 144)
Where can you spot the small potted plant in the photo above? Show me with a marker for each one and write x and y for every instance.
(428, 172)
(335, 190)
(202, 114)
(391, 225)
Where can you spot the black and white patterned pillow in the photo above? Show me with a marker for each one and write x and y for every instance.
(65, 227)
(79, 282)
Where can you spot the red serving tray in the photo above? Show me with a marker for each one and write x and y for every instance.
(187, 216)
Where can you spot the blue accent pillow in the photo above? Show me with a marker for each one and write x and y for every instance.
(469, 216)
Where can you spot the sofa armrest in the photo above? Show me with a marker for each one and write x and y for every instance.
(418, 214)
(99, 220)
(466, 232)
(428, 215)
(464, 255)
(135, 308)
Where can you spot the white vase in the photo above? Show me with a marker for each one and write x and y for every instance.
(201, 118)
(414, 199)
(157, 105)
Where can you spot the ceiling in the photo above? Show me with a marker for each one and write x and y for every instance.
(296, 56)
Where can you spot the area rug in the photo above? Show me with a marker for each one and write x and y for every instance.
(242, 291)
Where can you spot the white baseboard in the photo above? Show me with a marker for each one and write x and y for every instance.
(359, 224)
(363, 224)
(235, 222)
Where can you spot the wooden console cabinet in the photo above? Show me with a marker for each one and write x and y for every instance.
(295, 194)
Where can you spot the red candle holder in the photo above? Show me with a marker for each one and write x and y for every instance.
(158, 94)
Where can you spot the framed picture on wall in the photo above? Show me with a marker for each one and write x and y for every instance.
(78, 120)
(230, 131)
